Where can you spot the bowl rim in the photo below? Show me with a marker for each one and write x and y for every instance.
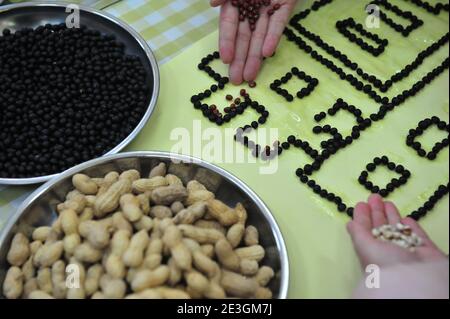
(279, 240)
(150, 58)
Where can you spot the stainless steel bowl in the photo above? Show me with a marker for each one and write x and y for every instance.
(39, 208)
(34, 14)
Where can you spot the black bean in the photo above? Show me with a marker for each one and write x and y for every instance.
(82, 102)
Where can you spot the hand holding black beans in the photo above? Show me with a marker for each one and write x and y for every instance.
(250, 30)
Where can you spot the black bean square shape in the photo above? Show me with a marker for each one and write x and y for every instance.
(415, 22)
(276, 85)
(395, 183)
(344, 27)
(421, 128)
(334, 132)
(204, 66)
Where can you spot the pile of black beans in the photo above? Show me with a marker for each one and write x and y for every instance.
(66, 96)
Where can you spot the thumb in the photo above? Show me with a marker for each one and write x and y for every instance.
(359, 233)
(362, 239)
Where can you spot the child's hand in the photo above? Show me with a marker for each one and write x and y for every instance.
(243, 49)
(374, 251)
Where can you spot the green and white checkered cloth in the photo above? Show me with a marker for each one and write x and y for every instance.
(169, 27)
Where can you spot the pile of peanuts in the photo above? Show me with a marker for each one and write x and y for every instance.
(398, 234)
(140, 238)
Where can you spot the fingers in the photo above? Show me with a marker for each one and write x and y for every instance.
(216, 3)
(242, 45)
(277, 24)
(378, 214)
(234, 39)
(361, 216)
(229, 21)
(392, 214)
(255, 57)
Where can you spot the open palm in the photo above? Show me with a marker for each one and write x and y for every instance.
(374, 251)
(243, 49)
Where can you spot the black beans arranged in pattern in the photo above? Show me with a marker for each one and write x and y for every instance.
(430, 203)
(415, 21)
(61, 107)
(436, 10)
(342, 207)
(298, 143)
(390, 187)
(421, 128)
(343, 27)
(204, 66)
(384, 109)
(384, 87)
(317, 129)
(291, 139)
(320, 3)
(419, 60)
(397, 100)
(312, 83)
(303, 175)
(363, 123)
(257, 151)
(319, 117)
(338, 141)
(238, 105)
(329, 64)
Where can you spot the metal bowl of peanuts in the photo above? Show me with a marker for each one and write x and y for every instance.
(33, 14)
(143, 225)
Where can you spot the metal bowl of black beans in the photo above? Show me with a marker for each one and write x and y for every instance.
(40, 209)
(69, 93)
